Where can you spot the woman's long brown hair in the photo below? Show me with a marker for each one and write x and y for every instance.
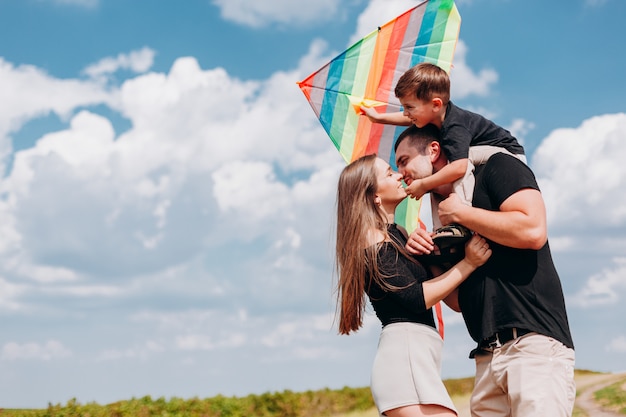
(357, 216)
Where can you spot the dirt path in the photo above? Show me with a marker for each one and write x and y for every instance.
(587, 385)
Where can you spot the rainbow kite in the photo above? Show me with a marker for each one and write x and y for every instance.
(367, 72)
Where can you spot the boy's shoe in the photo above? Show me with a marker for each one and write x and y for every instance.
(450, 246)
(451, 235)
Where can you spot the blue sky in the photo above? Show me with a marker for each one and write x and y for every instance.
(167, 195)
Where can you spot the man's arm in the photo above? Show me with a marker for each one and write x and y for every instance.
(520, 223)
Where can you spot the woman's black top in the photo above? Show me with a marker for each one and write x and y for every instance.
(406, 302)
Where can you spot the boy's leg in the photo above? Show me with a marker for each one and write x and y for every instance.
(464, 187)
(435, 199)
(478, 155)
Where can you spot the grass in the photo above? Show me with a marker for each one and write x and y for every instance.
(345, 402)
(613, 397)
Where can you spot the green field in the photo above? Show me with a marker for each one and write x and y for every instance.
(345, 402)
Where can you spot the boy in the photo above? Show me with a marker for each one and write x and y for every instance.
(467, 138)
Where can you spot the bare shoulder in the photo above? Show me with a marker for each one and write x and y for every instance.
(374, 236)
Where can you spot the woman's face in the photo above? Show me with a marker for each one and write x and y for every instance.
(389, 190)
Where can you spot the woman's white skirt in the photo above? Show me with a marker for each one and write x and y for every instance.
(407, 368)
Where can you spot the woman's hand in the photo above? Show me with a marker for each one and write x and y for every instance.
(420, 242)
(477, 251)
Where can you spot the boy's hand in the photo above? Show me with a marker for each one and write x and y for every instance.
(416, 189)
(371, 114)
(420, 242)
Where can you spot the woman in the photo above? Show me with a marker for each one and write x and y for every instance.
(371, 260)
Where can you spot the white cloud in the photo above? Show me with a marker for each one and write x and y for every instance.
(200, 330)
(138, 61)
(44, 273)
(82, 3)
(28, 92)
(86, 144)
(577, 168)
(9, 294)
(596, 3)
(606, 287)
(143, 352)
(465, 81)
(379, 12)
(617, 345)
(204, 342)
(132, 195)
(289, 332)
(238, 184)
(292, 239)
(519, 128)
(265, 12)
(87, 291)
(52, 349)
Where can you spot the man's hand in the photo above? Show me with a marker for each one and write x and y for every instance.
(449, 208)
(420, 242)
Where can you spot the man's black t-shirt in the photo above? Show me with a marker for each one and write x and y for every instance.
(516, 287)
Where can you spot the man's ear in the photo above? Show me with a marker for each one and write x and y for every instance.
(434, 149)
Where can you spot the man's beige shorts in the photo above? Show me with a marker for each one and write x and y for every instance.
(529, 376)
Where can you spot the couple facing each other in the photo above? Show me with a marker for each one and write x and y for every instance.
(506, 286)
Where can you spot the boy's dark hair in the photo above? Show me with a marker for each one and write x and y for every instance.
(426, 81)
(419, 137)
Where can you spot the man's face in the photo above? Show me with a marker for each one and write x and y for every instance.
(411, 164)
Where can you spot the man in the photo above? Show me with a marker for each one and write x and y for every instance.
(513, 306)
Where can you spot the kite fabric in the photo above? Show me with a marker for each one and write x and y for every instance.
(366, 74)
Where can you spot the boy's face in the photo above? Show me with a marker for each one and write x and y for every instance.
(420, 112)
(411, 164)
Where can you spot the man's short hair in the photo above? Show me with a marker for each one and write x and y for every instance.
(419, 137)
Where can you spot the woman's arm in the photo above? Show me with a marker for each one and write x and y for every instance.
(477, 252)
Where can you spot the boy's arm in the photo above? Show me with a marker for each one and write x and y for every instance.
(396, 118)
(447, 175)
